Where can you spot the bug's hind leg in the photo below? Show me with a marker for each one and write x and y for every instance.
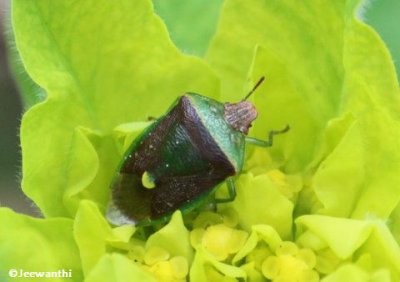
(231, 190)
(269, 142)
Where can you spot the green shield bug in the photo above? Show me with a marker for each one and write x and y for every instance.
(179, 160)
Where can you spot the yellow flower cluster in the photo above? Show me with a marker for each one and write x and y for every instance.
(290, 263)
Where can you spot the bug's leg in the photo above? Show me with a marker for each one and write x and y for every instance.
(231, 190)
(269, 142)
(145, 232)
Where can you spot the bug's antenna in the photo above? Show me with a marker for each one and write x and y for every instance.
(254, 88)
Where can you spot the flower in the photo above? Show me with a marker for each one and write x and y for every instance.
(322, 204)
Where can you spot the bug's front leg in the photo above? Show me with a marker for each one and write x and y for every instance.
(269, 142)
(231, 190)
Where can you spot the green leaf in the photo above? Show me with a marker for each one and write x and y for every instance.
(93, 234)
(370, 241)
(324, 189)
(303, 42)
(118, 268)
(126, 133)
(343, 236)
(371, 78)
(285, 59)
(365, 59)
(191, 24)
(355, 274)
(383, 250)
(340, 178)
(394, 223)
(97, 74)
(32, 244)
(353, 181)
(29, 91)
(174, 238)
(90, 231)
(278, 94)
(258, 191)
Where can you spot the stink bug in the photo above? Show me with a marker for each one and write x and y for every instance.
(177, 161)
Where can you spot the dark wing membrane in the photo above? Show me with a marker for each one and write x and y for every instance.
(133, 200)
(182, 158)
(176, 192)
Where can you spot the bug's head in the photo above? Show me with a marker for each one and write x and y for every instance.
(240, 115)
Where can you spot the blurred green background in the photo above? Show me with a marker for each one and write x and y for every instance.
(10, 116)
(383, 15)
